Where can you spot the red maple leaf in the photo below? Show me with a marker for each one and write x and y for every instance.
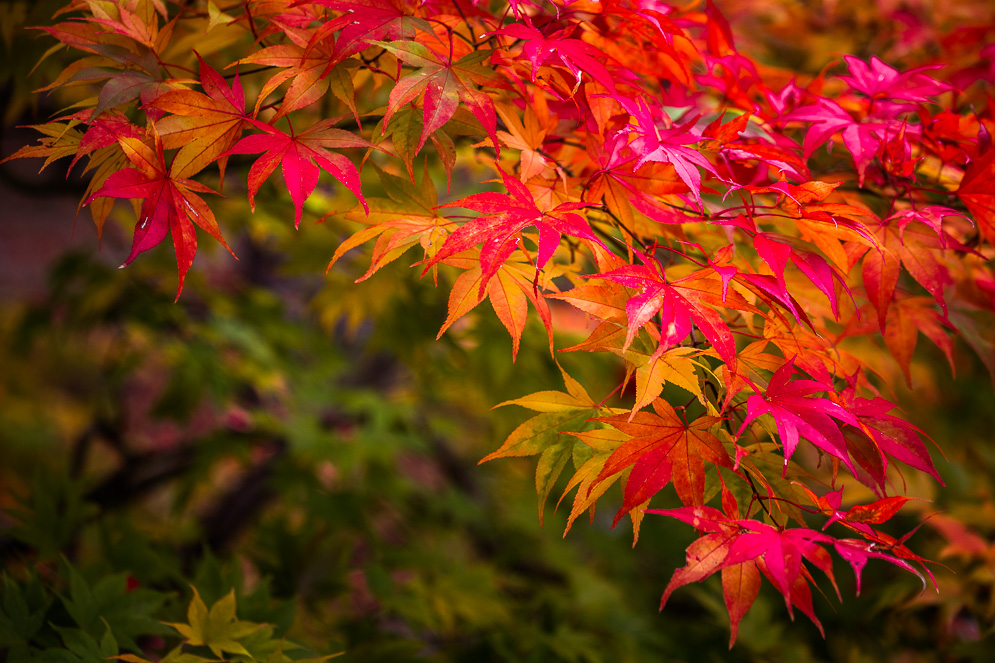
(796, 413)
(622, 188)
(880, 81)
(104, 130)
(169, 205)
(880, 435)
(444, 83)
(663, 447)
(667, 145)
(302, 155)
(575, 55)
(777, 254)
(977, 190)
(857, 552)
(680, 303)
(779, 553)
(504, 216)
(367, 21)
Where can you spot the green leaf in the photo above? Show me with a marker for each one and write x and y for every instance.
(109, 604)
(20, 616)
(551, 464)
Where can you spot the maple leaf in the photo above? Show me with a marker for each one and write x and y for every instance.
(405, 218)
(740, 588)
(880, 270)
(780, 554)
(863, 138)
(527, 135)
(652, 143)
(302, 157)
(679, 303)
(777, 255)
(906, 318)
(559, 412)
(876, 512)
(365, 22)
(503, 218)
(589, 459)
(510, 290)
(663, 446)
(860, 516)
(103, 132)
(888, 435)
(931, 215)
(59, 139)
(624, 186)
(444, 84)
(203, 126)
(797, 413)
(169, 205)
(603, 301)
(675, 365)
(62, 137)
(307, 65)
(217, 629)
(858, 552)
(576, 56)
(977, 190)
(881, 81)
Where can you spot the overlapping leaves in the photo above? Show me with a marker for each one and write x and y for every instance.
(716, 257)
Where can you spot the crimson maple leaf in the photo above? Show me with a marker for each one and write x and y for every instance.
(858, 552)
(881, 435)
(302, 155)
(504, 216)
(576, 55)
(861, 138)
(780, 554)
(651, 143)
(366, 21)
(796, 413)
(860, 516)
(777, 254)
(104, 130)
(444, 83)
(680, 303)
(977, 190)
(169, 205)
(663, 446)
(623, 188)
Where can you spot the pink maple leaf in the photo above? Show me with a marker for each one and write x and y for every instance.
(798, 414)
(667, 145)
(880, 81)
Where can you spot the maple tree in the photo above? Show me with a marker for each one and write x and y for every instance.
(758, 247)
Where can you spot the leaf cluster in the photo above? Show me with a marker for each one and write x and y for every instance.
(758, 249)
